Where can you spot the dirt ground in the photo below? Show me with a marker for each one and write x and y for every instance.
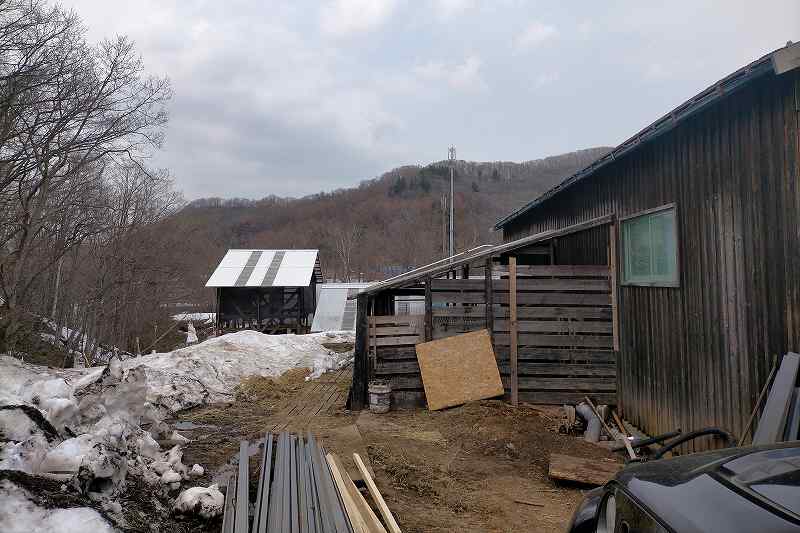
(480, 467)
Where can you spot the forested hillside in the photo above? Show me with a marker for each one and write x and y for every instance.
(383, 226)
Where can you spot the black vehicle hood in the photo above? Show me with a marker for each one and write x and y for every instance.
(700, 493)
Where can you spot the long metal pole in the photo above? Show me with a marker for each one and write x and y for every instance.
(452, 219)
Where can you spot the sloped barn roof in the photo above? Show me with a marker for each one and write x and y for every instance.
(266, 268)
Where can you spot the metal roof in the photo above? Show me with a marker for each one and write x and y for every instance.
(266, 268)
(334, 311)
(777, 61)
(447, 264)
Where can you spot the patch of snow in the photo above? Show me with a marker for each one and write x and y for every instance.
(207, 502)
(170, 477)
(191, 334)
(19, 514)
(15, 425)
(194, 317)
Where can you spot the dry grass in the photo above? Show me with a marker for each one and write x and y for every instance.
(255, 399)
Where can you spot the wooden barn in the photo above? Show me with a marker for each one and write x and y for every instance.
(664, 277)
(704, 208)
(273, 291)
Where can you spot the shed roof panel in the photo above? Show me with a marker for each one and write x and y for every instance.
(265, 268)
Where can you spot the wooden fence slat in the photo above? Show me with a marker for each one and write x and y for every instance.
(469, 285)
(397, 320)
(527, 353)
(399, 367)
(530, 339)
(563, 370)
(555, 312)
(513, 332)
(559, 270)
(473, 310)
(397, 341)
(585, 384)
(379, 331)
(525, 298)
(600, 285)
(561, 397)
(523, 284)
(439, 297)
(554, 326)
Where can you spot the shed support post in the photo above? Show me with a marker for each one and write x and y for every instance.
(512, 309)
(489, 290)
(358, 391)
(428, 310)
(612, 272)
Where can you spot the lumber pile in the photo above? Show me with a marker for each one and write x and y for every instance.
(301, 488)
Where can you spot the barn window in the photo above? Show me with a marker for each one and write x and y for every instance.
(650, 248)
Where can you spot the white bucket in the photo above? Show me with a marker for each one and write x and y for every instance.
(380, 395)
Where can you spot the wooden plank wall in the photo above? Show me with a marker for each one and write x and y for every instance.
(698, 355)
(565, 334)
(564, 341)
(391, 343)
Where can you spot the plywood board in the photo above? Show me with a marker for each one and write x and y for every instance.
(579, 470)
(459, 369)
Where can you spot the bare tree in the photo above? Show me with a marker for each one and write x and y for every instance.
(71, 117)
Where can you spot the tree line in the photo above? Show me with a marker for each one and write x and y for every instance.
(79, 207)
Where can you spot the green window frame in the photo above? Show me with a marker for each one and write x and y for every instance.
(650, 248)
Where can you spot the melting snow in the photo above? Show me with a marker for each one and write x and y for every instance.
(18, 514)
(106, 406)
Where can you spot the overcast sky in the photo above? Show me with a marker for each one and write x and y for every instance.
(294, 97)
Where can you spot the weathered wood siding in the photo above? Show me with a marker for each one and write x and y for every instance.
(698, 355)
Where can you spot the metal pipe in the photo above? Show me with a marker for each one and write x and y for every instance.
(693, 435)
(640, 443)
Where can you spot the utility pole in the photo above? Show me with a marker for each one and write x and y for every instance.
(444, 224)
(451, 157)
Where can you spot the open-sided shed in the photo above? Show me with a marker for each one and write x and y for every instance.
(552, 326)
(268, 290)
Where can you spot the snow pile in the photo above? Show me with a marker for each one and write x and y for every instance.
(19, 514)
(207, 372)
(84, 426)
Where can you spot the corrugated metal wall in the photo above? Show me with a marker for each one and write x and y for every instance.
(699, 354)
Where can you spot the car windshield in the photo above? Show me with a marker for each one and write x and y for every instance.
(774, 474)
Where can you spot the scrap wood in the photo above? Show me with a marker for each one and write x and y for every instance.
(608, 429)
(579, 470)
(388, 518)
(772, 423)
(625, 439)
(459, 369)
(526, 502)
(763, 393)
(367, 515)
